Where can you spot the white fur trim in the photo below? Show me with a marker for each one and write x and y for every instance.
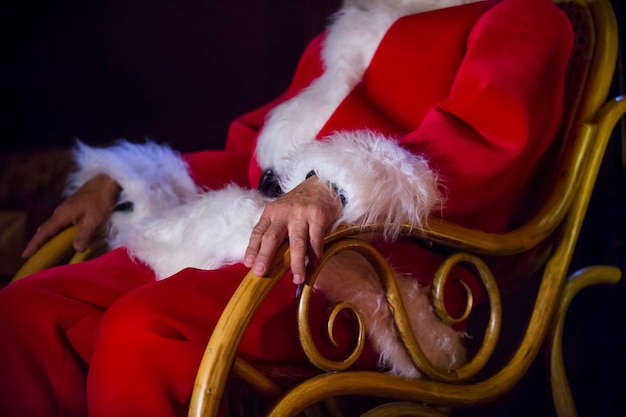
(208, 232)
(153, 177)
(350, 44)
(348, 278)
(382, 182)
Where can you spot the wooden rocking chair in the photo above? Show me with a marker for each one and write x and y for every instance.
(552, 231)
(587, 126)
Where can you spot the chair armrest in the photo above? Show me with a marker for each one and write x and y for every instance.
(221, 350)
(57, 250)
(220, 353)
(53, 252)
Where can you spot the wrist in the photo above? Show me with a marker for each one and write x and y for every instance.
(109, 185)
(337, 190)
(113, 190)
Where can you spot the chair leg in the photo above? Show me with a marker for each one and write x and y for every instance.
(561, 393)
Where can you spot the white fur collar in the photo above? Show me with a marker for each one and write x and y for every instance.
(353, 36)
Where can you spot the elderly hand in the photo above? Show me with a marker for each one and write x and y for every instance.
(303, 215)
(89, 208)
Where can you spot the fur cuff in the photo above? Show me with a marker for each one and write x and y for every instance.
(381, 181)
(208, 232)
(153, 177)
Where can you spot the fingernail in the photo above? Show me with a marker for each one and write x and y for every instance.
(259, 268)
(248, 261)
(298, 279)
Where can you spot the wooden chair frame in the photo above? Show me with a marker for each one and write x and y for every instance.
(584, 135)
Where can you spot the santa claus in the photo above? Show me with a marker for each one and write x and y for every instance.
(400, 110)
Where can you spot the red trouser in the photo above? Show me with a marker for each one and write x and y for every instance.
(141, 340)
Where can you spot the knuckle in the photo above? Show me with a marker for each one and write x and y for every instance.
(45, 228)
(257, 233)
(270, 236)
(298, 243)
(60, 210)
(297, 270)
(317, 214)
(88, 224)
(262, 225)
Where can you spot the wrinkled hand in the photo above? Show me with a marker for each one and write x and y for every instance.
(303, 215)
(89, 208)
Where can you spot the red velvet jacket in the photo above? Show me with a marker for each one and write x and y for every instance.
(459, 102)
(477, 89)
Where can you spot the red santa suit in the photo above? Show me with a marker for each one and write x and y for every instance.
(407, 107)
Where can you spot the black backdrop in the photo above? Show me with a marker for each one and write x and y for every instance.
(175, 71)
(171, 71)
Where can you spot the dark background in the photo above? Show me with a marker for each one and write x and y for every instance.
(177, 72)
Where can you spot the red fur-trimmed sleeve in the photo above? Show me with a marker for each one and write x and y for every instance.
(503, 110)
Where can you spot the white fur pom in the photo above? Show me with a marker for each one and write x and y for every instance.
(382, 182)
(348, 278)
(208, 232)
